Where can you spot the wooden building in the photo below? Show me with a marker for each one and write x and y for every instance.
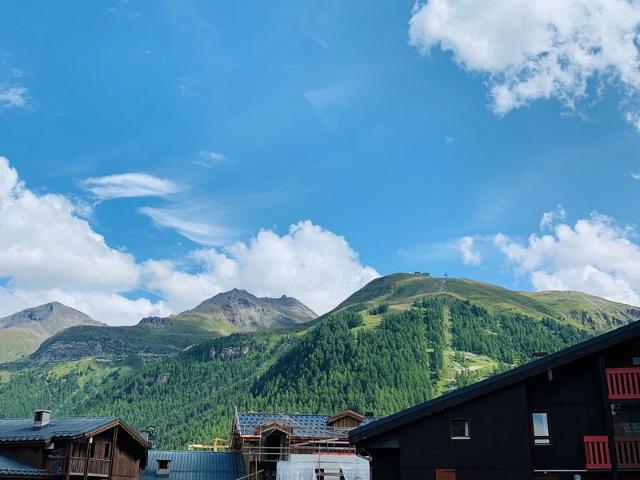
(571, 415)
(267, 440)
(70, 448)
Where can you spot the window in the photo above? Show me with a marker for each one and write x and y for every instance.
(459, 429)
(540, 428)
(107, 450)
(163, 467)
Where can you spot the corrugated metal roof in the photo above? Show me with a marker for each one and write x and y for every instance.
(13, 468)
(303, 425)
(195, 465)
(21, 429)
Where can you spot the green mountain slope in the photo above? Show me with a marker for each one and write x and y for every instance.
(22, 332)
(155, 337)
(398, 341)
(402, 289)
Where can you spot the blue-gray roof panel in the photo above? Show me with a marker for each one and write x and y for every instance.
(13, 468)
(304, 425)
(195, 465)
(21, 429)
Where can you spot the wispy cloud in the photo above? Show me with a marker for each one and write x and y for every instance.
(129, 185)
(466, 247)
(635, 175)
(181, 220)
(449, 140)
(14, 97)
(209, 158)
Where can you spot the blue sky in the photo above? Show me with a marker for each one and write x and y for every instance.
(263, 115)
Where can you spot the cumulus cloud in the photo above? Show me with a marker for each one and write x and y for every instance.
(538, 49)
(309, 262)
(14, 97)
(551, 217)
(466, 247)
(48, 252)
(128, 185)
(595, 256)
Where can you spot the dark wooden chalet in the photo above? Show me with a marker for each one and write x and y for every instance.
(70, 448)
(571, 415)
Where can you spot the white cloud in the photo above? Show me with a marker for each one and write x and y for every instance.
(449, 140)
(537, 49)
(210, 159)
(128, 185)
(14, 97)
(178, 219)
(635, 175)
(47, 252)
(44, 245)
(551, 217)
(310, 263)
(594, 256)
(466, 247)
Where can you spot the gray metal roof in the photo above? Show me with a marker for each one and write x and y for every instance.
(303, 425)
(13, 468)
(195, 465)
(21, 429)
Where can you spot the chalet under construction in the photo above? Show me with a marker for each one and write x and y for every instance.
(282, 446)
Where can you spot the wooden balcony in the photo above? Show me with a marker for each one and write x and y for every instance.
(596, 451)
(97, 467)
(623, 383)
(597, 455)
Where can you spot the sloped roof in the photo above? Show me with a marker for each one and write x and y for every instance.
(195, 465)
(21, 429)
(9, 467)
(497, 382)
(302, 425)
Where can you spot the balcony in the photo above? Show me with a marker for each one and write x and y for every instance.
(97, 467)
(623, 383)
(596, 448)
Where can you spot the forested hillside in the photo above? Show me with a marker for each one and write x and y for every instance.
(406, 356)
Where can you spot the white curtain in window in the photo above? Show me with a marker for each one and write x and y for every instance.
(355, 471)
(295, 471)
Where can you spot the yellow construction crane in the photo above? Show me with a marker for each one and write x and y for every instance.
(217, 444)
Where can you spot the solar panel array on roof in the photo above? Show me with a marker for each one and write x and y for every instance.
(303, 425)
(195, 465)
(21, 429)
(13, 468)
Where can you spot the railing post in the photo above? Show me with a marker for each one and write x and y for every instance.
(606, 404)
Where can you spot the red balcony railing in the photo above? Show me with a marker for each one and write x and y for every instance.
(628, 450)
(623, 383)
(596, 451)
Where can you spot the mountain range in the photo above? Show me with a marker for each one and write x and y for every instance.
(155, 337)
(400, 340)
(22, 332)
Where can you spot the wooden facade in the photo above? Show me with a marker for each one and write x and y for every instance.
(572, 415)
(110, 451)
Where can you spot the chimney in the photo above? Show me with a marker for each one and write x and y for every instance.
(41, 418)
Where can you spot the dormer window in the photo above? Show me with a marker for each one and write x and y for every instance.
(163, 467)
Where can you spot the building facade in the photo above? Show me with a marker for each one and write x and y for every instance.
(571, 415)
(70, 448)
(279, 445)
